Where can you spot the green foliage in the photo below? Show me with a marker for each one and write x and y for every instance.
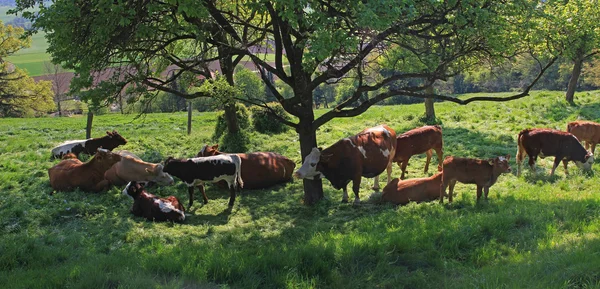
(234, 142)
(264, 122)
(250, 84)
(243, 117)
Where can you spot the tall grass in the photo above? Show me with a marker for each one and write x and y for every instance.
(534, 232)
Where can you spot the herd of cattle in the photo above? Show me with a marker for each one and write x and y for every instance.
(366, 154)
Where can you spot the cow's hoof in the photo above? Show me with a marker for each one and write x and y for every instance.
(344, 201)
(356, 202)
(376, 189)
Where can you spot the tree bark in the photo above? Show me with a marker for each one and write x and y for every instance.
(58, 106)
(313, 189)
(577, 65)
(88, 127)
(189, 124)
(227, 68)
(429, 109)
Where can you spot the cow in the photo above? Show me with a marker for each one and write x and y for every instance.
(88, 146)
(71, 173)
(194, 171)
(132, 168)
(483, 173)
(400, 192)
(366, 154)
(152, 207)
(416, 141)
(260, 169)
(562, 145)
(586, 131)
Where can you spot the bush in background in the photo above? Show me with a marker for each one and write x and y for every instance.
(264, 122)
(243, 116)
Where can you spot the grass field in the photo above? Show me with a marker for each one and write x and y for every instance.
(535, 231)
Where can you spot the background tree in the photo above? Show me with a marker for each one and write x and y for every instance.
(60, 82)
(20, 95)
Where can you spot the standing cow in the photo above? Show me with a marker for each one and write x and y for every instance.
(416, 141)
(586, 131)
(89, 146)
(562, 145)
(260, 169)
(195, 171)
(366, 154)
(483, 173)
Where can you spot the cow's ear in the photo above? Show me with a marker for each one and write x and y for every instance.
(148, 170)
(216, 146)
(507, 157)
(320, 149)
(492, 161)
(108, 133)
(325, 158)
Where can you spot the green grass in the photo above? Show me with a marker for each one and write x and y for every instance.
(534, 232)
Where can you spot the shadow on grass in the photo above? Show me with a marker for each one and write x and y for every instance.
(590, 111)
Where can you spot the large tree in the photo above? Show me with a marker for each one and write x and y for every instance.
(314, 42)
(20, 95)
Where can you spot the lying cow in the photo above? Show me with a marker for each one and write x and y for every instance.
(483, 173)
(586, 131)
(195, 171)
(420, 140)
(89, 146)
(413, 190)
(366, 154)
(562, 145)
(260, 169)
(132, 168)
(152, 207)
(71, 173)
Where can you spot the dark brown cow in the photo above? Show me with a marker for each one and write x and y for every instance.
(562, 145)
(89, 146)
(366, 154)
(416, 141)
(70, 174)
(586, 131)
(413, 190)
(152, 207)
(483, 173)
(260, 169)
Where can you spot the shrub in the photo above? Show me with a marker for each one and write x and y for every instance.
(234, 142)
(243, 117)
(264, 122)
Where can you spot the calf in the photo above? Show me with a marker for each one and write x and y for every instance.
(89, 146)
(366, 154)
(193, 172)
(260, 169)
(132, 168)
(71, 173)
(420, 140)
(483, 173)
(152, 207)
(586, 131)
(413, 190)
(548, 142)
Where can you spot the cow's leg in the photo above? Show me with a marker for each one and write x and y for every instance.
(429, 153)
(231, 196)
(345, 196)
(439, 152)
(587, 145)
(593, 147)
(101, 186)
(451, 190)
(520, 157)
(557, 160)
(479, 191)
(486, 191)
(191, 194)
(565, 162)
(355, 189)
(203, 191)
(443, 188)
(532, 163)
(389, 171)
(376, 183)
(403, 168)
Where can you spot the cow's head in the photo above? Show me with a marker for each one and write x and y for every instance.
(312, 163)
(208, 151)
(587, 164)
(133, 189)
(500, 164)
(158, 175)
(105, 158)
(113, 140)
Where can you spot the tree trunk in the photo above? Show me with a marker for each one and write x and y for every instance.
(578, 63)
(227, 68)
(429, 109)
(313, 189)
(88, 127)
(189, 118)
(58, 106)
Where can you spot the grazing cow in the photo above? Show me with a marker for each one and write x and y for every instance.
(132, 168)
(366, 154)
(193, 172)
(71, 173)
(89, 146)
(260, 169)
(549, 142)
(483, 173)
(586, 131)
(413, 190)
(416, 141)
(152, 207)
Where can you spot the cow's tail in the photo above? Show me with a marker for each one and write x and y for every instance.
(237, 180)
(521, 150)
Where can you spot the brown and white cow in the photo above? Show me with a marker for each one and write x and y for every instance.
(416, 141)
(587, 131)
(152, 207)
(366, 154)
(260, 169)
(400, 192)
(483, 173)
(89, 146)
(562, 145)
(195, 171)
(132, 168)
(70, 174)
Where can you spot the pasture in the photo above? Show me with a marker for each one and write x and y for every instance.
(535, 231)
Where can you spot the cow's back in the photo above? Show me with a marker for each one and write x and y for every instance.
(418, 141)
(401, 192)
(264, 169)
(548, 142)
(585, 130)
(61, 175)
(466, 170)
